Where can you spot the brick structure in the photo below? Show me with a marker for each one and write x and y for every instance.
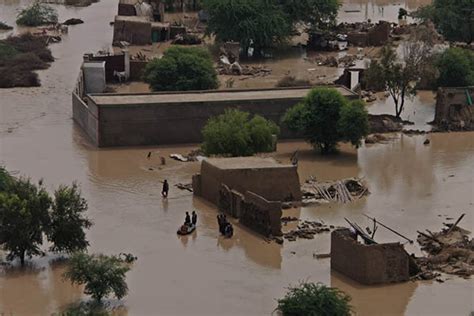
(453, 111)
(368, 264)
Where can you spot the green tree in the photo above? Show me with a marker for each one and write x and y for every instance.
(258, 22)
(314, 300)
(182, 69)
(317, 14)
(23, 218)
(37, 14)
(235, 134)
(353, 123)
(453, 18)
(66, 230)
(456, 68)
(323, 118)
(102, 275)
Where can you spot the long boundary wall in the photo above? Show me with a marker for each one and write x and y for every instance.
(135, 123)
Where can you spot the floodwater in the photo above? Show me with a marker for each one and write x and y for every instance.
(412, 186)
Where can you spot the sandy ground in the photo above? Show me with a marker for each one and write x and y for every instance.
(412, 186)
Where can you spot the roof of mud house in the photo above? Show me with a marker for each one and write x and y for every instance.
(245, 163)
(206, 96)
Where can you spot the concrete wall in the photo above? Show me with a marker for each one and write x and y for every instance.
(368, 264)
(452, 109)
(274, 184)
(87, 118)
(261, 215)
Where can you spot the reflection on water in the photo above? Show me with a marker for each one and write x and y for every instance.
(203, 274)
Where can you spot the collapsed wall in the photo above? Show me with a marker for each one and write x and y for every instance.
(368, 264)
(455, 108)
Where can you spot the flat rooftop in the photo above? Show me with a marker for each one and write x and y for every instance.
(206, 96)
(245, 163)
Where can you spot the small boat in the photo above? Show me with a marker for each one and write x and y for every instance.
(186, 229)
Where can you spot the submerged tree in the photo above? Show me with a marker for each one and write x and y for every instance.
(23, 218)
(260, 23)
(453, 19)
(182, 69)
(234, 133)
(66, 230)
(102, 275)
(27, 214)
(325, 117)
(37, 14)
(315, 299)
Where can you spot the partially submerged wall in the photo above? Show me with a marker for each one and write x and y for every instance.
(132, 30)
(453, 111)
(261, 215)
(86, 117)
(274, 184)
(368, 264)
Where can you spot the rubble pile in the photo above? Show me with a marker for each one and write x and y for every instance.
(450, 251)
(307, 230)
(344, 191)
(375, 138)
(235, 69)
(194, 155)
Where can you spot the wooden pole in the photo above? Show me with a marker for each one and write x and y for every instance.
(456, 223)
(390, 229)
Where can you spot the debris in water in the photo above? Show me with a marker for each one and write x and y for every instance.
(344, 191)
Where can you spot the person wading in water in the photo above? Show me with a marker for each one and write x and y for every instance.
(166, 188)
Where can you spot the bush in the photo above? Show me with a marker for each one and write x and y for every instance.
(311, 299)
(102, 275)
(234, 134)
(456, 68)
(182, 69)
(37, 14)
(325, 117)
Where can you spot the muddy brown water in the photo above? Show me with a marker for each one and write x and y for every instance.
(412, 186)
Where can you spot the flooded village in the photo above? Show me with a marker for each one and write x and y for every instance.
(370, 205)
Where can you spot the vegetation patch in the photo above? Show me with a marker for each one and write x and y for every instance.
(37, 14)
(314, 299)
(235, 133)
(19, 57)
(182, 69)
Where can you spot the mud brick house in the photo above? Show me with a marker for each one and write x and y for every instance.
(455, 108)
(249, 188)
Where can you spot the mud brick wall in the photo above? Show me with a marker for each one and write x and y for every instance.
(136, 69)
(261, 215)
(273, 184)
(134, 32)
(368, 264)
(86, 117)
(230, 201)
(452, 110)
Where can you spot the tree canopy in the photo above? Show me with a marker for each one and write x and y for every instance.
(264, 23)
(37, 14)
(325, 118)
(182, 69)
(102, 275)
(315, 299)
(235, 133)
(28, 213)
(453, 19)
(456, 68)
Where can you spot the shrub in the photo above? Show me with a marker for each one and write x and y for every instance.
(456, 68)
(311, 299)
(182, 69)
(37, 14)
(102, 275)
(235, 134)
(325, 117)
